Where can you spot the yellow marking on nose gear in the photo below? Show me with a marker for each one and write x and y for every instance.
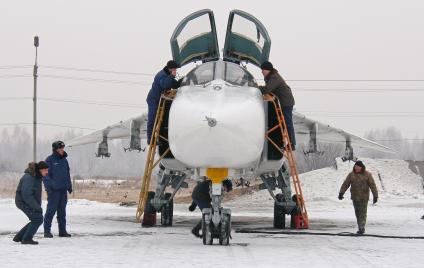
(217, 175)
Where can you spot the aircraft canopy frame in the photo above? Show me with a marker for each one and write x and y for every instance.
(246, 39)
(202, 44)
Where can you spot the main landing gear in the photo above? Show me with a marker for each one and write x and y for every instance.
(284, 202)
(162, 202)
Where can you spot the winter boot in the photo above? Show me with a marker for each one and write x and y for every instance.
(17, 239)
(196, 229)
(64, 234)
(48, 234)
(29, 242)
(360, 231)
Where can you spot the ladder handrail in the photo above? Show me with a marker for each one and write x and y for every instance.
(289, 155)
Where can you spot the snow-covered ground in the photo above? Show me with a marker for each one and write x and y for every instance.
(100, 182)
(106, 235)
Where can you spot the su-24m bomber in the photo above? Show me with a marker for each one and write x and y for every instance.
(218, 125)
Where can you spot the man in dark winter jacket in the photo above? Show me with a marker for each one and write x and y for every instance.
(163, 81)
(275, 84)
(57, 184)
(360, 182)
(202, 198)
(28, 199)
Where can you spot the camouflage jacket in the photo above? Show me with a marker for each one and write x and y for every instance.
(360, 185)
(274, 83)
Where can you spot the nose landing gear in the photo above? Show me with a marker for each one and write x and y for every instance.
(216, 226)
(216, 220)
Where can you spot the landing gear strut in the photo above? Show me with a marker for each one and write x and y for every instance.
(283, 203)
(162, 202)
(167, 211)
(279, 214)
(349, 155)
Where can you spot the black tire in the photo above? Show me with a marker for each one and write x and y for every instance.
(206, 232)
(149, 215)
(279, 217)
(225, 231)
(167, 212)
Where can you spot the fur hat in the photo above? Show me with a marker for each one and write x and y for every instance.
(34, 168)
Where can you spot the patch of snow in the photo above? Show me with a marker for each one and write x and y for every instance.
(106, 235)
(100, 182)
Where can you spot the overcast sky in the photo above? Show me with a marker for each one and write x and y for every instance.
(376, 40)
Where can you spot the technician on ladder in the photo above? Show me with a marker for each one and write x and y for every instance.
(163, 81)
(274, 83)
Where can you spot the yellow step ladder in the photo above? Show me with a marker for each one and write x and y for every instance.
(150, 160)
(288, 153)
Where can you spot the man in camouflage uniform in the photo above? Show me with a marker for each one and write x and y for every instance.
(360, 182)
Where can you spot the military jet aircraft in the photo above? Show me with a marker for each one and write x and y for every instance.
(218, 125)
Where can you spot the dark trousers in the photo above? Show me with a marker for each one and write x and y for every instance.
(56, 202)
(361, 213)
(28, 231)
(288, 117)
(151, 116)
(201, 206)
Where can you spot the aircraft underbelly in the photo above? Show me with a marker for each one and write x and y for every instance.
(211, 128)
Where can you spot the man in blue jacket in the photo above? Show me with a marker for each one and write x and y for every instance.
(163, 81)
(28, 199)
(57, 184)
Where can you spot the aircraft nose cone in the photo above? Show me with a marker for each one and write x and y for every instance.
(217, 128)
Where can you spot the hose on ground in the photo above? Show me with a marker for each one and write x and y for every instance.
(342, 234)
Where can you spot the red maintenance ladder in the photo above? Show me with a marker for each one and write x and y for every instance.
(288, 153)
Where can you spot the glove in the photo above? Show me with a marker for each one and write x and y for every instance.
(375, 199)
(341, 196)
(178, 83)
(192, 207)
(70, 191)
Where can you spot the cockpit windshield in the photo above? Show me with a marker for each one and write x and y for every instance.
(230, 72)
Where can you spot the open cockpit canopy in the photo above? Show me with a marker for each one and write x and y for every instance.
(246, 39)
(195, 39)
